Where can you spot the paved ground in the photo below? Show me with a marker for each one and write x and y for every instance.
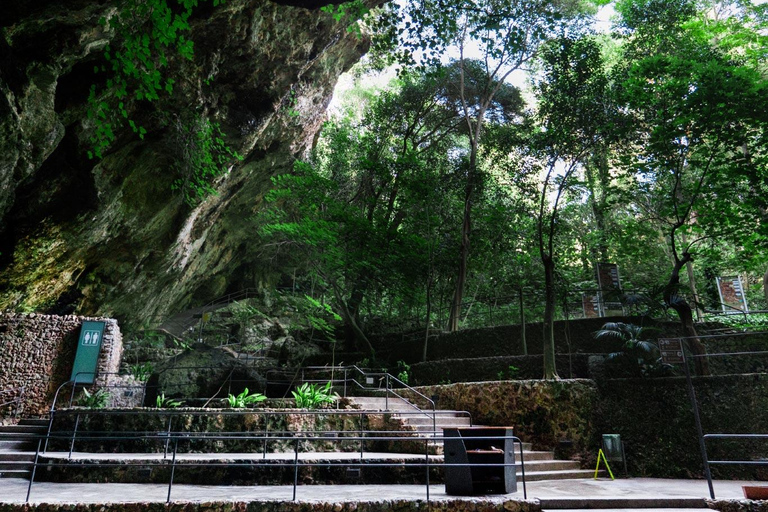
(648, 490)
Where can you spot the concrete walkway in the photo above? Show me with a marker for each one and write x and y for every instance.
(644, 492)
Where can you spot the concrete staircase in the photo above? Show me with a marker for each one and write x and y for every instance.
(539, 465)
(17, 447)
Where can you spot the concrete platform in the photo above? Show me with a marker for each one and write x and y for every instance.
(560, 494)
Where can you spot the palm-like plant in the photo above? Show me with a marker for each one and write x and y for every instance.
(642, 355)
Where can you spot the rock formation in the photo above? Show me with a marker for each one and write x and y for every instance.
(109, 236)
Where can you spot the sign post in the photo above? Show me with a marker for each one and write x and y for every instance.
(87, 355)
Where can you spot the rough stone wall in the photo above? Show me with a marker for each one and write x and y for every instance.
(451, 505)
(446, 371)
(541, 412)
(111, 237)
(655, 420)
(38, 351)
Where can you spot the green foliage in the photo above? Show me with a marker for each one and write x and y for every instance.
(638, 356)
(511, 373)
(350, 12)
(200, 156)
(244, 399)
(96, 400)
(403, 370)
(163, 402)
(313, 396)
(141, 372)
(182, 344)
(147, 35)
(319, 315)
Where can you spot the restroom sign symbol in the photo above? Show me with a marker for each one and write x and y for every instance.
(91, 338)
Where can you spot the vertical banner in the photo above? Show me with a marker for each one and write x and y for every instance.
(732, 296)
(87, 356)
(609, 284)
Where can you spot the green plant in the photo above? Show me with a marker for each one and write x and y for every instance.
(150, 33)
(97, 400)
(510, 373)
(168, 403)
(141, 372)
(200, 155)
(640, 357)
(402, 371)
(182, 344)
(244, 399)
(312, 396)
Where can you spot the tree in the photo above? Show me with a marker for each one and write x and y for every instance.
(699, 111)
(575, 121)
(507, 35)
(351, 208)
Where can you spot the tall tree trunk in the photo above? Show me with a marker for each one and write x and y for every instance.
(523, 341)
(550, 369)
(461, 277)
(677, 303)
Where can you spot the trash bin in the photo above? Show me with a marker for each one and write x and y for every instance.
(476, 466)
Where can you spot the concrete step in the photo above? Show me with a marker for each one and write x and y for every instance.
(34, 421)
(535, 466)
(534, 456)
(441, 421)
(537, 476)
(17, 465)
(15, 473)
(24, 429)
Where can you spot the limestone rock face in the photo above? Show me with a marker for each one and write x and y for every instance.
(109, 236)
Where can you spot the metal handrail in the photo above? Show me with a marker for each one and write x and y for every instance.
(17, 395)
(175, 437)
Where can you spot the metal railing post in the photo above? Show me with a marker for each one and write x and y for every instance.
(295, 468)
(266, 435)
(699, 429)
(426, 458)
(167, 437)
(74, 433)
(34, 469)
(386, 395)
(360, 431)
(173, 468)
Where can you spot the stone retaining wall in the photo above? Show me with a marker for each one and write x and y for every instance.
(38, 351)
(542, 412)
(396, 505)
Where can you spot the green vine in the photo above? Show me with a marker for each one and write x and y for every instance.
(149, 31)
(350, 12)
(201, 156)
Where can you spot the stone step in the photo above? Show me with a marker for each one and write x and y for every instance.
(534, 456)
(536, 466)
(16, 456)
(24, 429)
(15, 473)
(16, 465)
(34, 421)
(537, 476)
(440, 421)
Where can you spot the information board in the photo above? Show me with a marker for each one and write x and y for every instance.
(609, 283)
(87, 355)
(671, 350)
(731, 293)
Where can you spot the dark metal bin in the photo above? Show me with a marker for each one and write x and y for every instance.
(477, 465)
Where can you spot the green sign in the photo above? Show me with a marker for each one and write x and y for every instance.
(87, 356)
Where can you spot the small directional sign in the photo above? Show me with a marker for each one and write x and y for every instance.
(671, 350)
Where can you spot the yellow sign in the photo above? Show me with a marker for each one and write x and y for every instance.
(600, 455)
